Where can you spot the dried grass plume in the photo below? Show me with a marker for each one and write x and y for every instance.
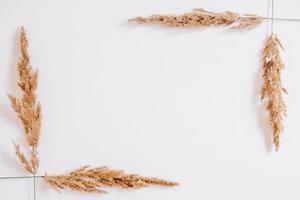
(91, 180)
(272, 90)
(202, 18)
(27, 107)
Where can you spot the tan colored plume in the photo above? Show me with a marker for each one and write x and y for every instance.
(202, 18)
(27, 107)
(272, 90)
(91, 180)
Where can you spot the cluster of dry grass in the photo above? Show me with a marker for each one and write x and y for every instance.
(27, 107)
(91, 180)
(273, 90)
(29, 112)
(202, 18)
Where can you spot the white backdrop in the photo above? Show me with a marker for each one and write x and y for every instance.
(176, 104)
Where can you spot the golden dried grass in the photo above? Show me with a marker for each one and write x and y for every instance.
(27, 107)
(272, 90)
(92, 180)
(202, 18)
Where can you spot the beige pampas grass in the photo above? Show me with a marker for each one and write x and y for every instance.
(91, 180)
(202, 18)
(272, 90)
(27, 107)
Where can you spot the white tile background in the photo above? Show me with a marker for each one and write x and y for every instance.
(171, 103)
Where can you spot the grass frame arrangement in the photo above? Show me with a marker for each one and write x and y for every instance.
(94, 180)
(272, 90)
(85, 179)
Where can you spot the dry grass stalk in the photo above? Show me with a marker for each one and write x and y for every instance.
(27, 107)
(91, 180)
(202, 18)
(272, 90)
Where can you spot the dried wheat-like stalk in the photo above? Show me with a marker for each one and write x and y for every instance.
(27, 107)
(273, 90)
(202, 18)
(91, 180)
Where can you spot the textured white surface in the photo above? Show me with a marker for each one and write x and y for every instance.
(176, 104)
